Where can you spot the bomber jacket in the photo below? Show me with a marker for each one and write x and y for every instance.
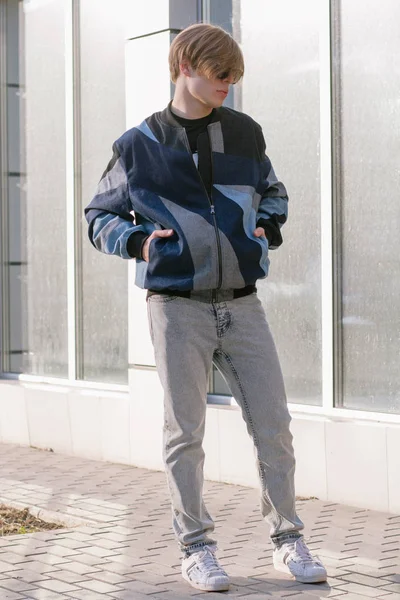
(152, 182)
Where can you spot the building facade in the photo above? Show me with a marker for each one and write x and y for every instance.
(77, 366)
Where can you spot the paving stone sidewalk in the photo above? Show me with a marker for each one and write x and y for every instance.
(119, 543)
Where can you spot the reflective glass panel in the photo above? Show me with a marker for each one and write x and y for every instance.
(36, 187)
(370, 210)
(280, 90)
(105, 278)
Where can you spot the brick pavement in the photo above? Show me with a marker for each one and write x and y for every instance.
(119, 544)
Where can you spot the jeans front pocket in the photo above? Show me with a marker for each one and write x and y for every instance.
(162, 298)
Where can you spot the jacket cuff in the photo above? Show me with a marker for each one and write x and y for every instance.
(135, 243)
(272, 233)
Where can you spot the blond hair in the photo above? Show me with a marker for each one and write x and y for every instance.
(208, 49)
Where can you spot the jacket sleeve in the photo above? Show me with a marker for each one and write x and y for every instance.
(110, 216)
(273, 209)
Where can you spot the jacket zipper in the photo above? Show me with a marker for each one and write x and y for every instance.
(212, 210)
(216, 229)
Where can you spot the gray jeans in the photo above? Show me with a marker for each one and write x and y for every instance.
(188, 335)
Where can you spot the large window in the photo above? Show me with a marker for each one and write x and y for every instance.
(62, 106)
(281, 90)
(368, 138)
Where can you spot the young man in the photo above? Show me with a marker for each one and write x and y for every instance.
(206, 208)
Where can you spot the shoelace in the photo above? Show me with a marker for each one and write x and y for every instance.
(300, 551)
(208, 561)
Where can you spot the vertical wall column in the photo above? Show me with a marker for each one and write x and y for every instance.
(151, 26)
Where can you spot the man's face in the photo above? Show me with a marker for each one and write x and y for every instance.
(210, 92)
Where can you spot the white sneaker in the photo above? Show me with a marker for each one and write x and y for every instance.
(295, 559)
(202, 570)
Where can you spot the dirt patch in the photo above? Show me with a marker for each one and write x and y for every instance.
(14, 521)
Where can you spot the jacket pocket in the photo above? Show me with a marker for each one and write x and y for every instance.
(170, 265)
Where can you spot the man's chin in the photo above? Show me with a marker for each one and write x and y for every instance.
(210, 104)
(215, 103)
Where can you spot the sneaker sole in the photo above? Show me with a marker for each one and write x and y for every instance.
(315, 579)
(215, 587)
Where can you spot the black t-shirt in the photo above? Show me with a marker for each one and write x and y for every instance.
(194, 127)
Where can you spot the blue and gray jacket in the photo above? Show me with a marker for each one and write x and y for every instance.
(152, 182)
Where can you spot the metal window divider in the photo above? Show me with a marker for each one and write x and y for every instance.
(4, 238)
(73, 188)
(327, 273)
(337, 194)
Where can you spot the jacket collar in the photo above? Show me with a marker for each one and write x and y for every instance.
(167, 116)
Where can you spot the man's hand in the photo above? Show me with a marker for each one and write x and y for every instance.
(157, 233)
(259, 232)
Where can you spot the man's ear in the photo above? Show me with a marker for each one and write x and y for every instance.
(185, 69)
